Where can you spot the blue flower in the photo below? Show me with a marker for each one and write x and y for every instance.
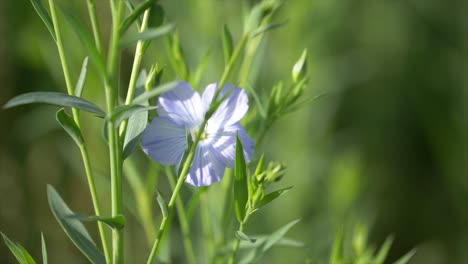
(182, 111)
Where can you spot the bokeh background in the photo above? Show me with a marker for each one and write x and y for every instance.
(385, 147)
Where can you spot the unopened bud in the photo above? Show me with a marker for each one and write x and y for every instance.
(299, 70)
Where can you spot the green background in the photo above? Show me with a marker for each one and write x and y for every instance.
(385, 147)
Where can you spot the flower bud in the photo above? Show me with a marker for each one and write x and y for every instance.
(275, 172)
(299, 70)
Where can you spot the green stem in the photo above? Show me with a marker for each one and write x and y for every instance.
(139, 51)
(94, 24)
(207, 228)
(184, 224)
(111, 87)
(76, 117)
(232, 260)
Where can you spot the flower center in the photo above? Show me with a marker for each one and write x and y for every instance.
(195, 131)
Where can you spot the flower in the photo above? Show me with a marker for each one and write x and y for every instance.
(181, 111)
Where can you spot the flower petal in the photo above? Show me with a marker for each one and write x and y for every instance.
(224, 142)
(231, 110)
(207, 167)
(164, 140)
(183, 105)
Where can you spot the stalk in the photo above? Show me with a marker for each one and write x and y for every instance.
(94, 24)
(76, 117)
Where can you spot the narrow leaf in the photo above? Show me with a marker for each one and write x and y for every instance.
(115, 222)
(155, 92)
(268, 198)
(81, 80)
(162, 205)
(336, 256)
(42, 12)
(383, 252)
(268, 27)
(125, 111)
(227, 44)
(55, 98)
(87, 38)
(18, 251)
(74, 229)
(135, 15)
(70, 126)
(196, 77)
(240, 182)
(149, 34)
(136, 125)
(156, 18)
(243, 236)
(44, 250)
(406, 258)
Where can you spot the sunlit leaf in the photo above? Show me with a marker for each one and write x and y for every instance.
(383, 252)
(268, 198)
(81, 80)
(162, 205)
(197, 75)
(115, 222)
(135, 14)
(70, 126)
(74, 229)
(125, 111)
(227, 44)
(18, 251)
(155, 92)
(406, 258)
(44, 250)
(55, 98)
(149, 34)
(243, 236)
(268, 27)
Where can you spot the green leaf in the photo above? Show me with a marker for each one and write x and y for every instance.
(196, 77)
(162, 205)
(123, 112)
(55, 98)
(241, 194)
(156, 18)
(268, 27)
(81, 80)
(383, 252)
(336, 256)
(227, 44)
(87, 38)
(406, 258)
(44, 250)
(149, 34)
(268, 198)
(136, 125)
(183, 160)
(18, 251)
(260, 106)
(70, 126)
(260, 240)
(74, 229)
(42, 12)
(115, 222)
(155, 92)
(135, 15)
(269, 242)
(243, 236)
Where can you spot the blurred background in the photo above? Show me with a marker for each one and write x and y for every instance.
(385, 147)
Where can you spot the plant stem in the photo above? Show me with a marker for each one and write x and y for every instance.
(76, 117)
(140, 48)
(111, 87)
(207, 228)
(232, 260)
(184, 224)
(94, 24)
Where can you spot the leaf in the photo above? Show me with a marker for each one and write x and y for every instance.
(136, 125)
(156, 18)
(406, 258)
(243, 236)
(81, 80)
(149, 34)
(87, 38)
(70, 126)
(162, 205)
(260, 240)
(383, 252)
(336, 256)
(55, 98)
(260, 106)
(241, 194)
(135, 15)
(268, 27)
(123, 112)
(115, 222)
(227, 44)
(44, 250)
(269, 242)
(196, 77)
(155, 92)
(74, 229)
(268, 198)
(42, 12)
(18, 251)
